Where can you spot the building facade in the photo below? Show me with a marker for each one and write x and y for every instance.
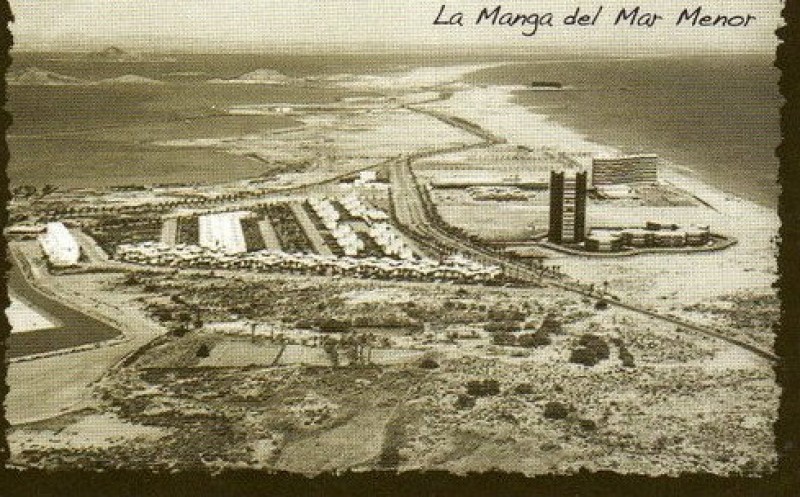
(567, 207)
(629, 169)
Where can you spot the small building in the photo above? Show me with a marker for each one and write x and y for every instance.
(59, 246)
(675, 238)
(698, 236)
(638, 237)
(368, 176)
(658, 226)
(26, 229)
(604, 241)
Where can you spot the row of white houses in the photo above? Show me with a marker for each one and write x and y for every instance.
(451, 269)
(390, 241)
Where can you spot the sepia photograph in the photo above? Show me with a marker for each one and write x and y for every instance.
(536, 238)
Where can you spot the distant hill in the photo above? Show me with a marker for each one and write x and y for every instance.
(259, 76)
(33, 76)
(116, 54)
(130, 79)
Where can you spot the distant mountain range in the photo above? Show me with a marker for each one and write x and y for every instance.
(33, 76)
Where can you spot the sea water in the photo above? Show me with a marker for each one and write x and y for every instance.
(718, 116)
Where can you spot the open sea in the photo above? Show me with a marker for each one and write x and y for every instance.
(719, 116)
(716, 115)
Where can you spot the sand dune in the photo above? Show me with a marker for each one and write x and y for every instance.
(415, 79)
(129, 79)
(258, 77)
(33, 76)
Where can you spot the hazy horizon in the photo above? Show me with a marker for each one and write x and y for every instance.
(252, 26)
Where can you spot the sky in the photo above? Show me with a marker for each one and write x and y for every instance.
(323, 25)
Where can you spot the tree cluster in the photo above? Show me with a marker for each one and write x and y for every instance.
(590, 350)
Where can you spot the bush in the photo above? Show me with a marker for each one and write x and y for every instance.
(501, 327)
(534, 340)
(332, 352)
(178, 330)
(591, 349)
(601, 305)
(203, 351)
(305, 324)
(523, 389)
(504, 338)
(582, 355)
(596, 344)
(588, 424)
(530, 325)
(428, 363)
(333, 326)
(626, 357)
(551, 324)
(507, 416)
(483, 388)
(465, 401)
(556, 410)
(506, 315)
